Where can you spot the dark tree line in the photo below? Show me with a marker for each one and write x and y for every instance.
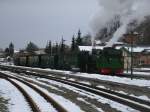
(63, 48)
(60, 48)
(48, 48)
(31, 47)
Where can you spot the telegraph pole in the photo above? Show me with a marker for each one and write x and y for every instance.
(133, 36)
(132, 56)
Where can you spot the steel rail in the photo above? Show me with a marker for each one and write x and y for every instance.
(130, 101)
(27, 97)
(49, 99)
(133, 102)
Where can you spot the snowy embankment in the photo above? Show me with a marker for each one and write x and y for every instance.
(142, 69)
(139, 73)
(16, 100)
(123, 80)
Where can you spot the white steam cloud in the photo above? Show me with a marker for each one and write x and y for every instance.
(127, 10)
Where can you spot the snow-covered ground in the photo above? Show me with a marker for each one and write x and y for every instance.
(129, 81)
(41, 102)
(123, 80)
(138, 73)
(71, 107)
(141, 69)
(16, 100)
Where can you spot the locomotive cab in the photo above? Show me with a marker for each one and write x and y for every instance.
(110, 61)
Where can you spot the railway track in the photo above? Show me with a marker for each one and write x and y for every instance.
(23, 69)
(132, 102)
(28, 98)
(131, 89)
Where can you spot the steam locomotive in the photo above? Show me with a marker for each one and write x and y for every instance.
(106, 61)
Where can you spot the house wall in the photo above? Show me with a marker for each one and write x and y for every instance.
(131, 39)
(127, 60)
(144, 59)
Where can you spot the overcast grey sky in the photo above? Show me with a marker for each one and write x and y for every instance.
(22, 21)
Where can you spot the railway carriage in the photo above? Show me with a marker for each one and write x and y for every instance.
(33, 61)
(21, 61)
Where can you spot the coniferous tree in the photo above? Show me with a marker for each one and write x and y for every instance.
(11, 49)
(79, 39)
(31, 47)
(62, 46)
(7, 52)
(73, 44)
(56, 57)
(57, 48)
(48, 48)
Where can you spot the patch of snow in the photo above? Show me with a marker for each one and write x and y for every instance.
(89, 48)
(100, 86)
(63, 77)
(140, 97)
(143, 68)
(12, 93)
(137, 73)
(137, 49)
(98, 109)
(71, 79)
(83, 82)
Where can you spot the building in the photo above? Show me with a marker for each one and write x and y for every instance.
(131, 38)
(145, 58)
(141, 56)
